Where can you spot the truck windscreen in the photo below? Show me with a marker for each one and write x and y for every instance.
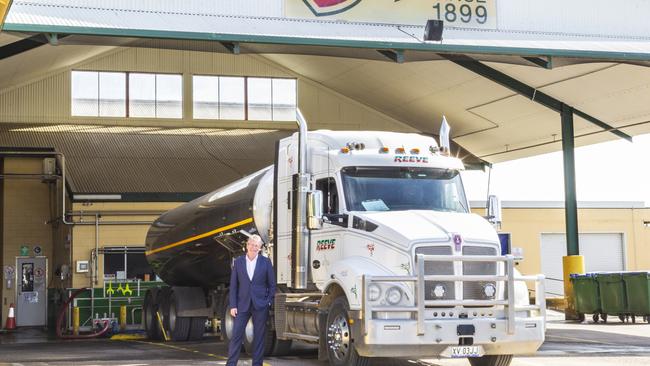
(401, 188)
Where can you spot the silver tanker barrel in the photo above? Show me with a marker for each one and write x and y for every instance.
(193, 244)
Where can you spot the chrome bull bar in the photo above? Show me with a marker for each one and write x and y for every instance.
(420, 303)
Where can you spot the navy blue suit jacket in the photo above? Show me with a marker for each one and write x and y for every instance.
(261, 290)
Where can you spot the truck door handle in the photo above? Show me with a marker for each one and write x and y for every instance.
(289, 200)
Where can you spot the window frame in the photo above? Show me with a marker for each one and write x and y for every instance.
(127, 96)
(246, 97)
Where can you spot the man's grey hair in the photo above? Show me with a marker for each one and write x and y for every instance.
(255, 239)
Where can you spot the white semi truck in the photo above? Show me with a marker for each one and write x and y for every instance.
(375, 250)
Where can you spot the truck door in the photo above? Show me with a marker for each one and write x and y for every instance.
(326, 243)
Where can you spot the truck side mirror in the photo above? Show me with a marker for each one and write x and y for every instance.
(494, 210)
(315, 210)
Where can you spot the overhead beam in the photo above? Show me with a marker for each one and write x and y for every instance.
(24, 45)
(393, 55)
(527, 91)
(233, 47)
(547, 64)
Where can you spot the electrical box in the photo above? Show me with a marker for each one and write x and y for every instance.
(82, 266)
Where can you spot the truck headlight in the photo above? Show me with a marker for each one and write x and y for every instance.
(374, 292)
(394, 295)
(439, 290)
(489, 290)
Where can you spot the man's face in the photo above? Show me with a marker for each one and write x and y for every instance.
(252, 248)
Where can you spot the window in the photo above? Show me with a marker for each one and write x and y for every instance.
(244, 98)
(104, 94)
(155, 95)
(98, 94)
(126, 263)
(330, 195)
(403, 188)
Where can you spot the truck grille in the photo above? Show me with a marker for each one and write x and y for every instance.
(474, 290)
(471, 290)
(438, 268)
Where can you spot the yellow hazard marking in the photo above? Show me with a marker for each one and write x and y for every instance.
(110, 290)
(162, 328)
(200, 236)
(190, 350)
(120, 289)
(128, 337)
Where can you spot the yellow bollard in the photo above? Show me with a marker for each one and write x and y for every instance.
(122, 317)
(571, 264)
(75, 320)
(215, 325)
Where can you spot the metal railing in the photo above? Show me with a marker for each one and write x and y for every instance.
(420, 302)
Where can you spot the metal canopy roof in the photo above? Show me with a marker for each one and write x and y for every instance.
(410, 80)
(185, 161)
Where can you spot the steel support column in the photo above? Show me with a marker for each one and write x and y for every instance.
(573, 262)
(570, 201)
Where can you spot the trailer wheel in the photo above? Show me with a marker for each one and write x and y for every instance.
(197, 328)
(340, 349)
(272, 345)
(581, 317)
(149, 315)
(178, 327)
(491, 360)
(227, 322)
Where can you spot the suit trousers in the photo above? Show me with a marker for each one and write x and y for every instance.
(238, 334)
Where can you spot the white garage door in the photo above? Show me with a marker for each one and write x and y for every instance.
(602, 252)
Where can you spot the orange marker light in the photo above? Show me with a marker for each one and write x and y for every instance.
(383, 150)
(345, 150)
(399, 150)
(415, 151)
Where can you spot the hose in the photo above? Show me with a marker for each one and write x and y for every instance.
(59, 321)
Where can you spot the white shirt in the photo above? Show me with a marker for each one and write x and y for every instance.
(250, 266)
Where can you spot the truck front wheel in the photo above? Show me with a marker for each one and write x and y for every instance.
(340, 344)
(491, 360)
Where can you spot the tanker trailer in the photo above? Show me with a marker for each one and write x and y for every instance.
(375, 250)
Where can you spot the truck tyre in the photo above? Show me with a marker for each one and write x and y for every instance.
(149, 315)
(281, 347)
(178, 328)
(272, 345)
(491, 360)
(227, 322)
(340, 349)
(197, 328)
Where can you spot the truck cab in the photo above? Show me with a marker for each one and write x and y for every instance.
(402, 266)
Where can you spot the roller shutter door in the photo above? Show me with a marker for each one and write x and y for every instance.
(602, 252)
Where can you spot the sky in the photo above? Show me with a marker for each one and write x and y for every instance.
(611, 171)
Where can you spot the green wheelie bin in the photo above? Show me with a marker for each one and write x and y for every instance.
(587, 295)
(637, 287)
(612, 295)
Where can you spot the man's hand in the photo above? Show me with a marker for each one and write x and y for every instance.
(233, 312)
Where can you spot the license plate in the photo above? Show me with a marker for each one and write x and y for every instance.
(463, 351)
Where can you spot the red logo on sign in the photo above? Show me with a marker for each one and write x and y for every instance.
(329, 7)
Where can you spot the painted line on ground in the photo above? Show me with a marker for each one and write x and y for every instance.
(220, 357)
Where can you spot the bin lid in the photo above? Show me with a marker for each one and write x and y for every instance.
(637, 274)
(609, 274)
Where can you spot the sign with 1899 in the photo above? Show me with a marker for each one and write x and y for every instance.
(455, 13)
(466, 12)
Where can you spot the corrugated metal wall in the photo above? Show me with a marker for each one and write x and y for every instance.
(48, 100)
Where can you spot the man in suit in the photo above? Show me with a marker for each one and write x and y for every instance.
(252, 289)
